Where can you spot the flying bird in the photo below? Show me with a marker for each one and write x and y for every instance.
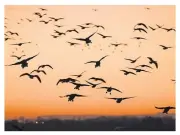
(133, 61)
(59, 33)
(97, 79)
(18, 57)
(39, 15)
(71, 80)
(97, 63)
(127, 72)
(29, 20)
(119, 100)
(116, 44)
(144, 66)
(153, 29)
(13, 33)
(104, 36)
(165, 109)
(151, 61)
(38, 71)
(71, 97)
(72, 30)
(59, 26)
(31, 76)
(170, 29)
(88, 24)
(54, 36)
(82, 27)
(45, 22)
(43, 9)
(20, 44)
(109, 89)
(78, 76)
(43, 66)
(141, 24)
(140, 30)
(87, 40)
(139, 38)
(165, 47)
(23, 63)
(92, 84)
(71, 43)
(56, 19)
(139, 70)
(78, 85)
(99, 26)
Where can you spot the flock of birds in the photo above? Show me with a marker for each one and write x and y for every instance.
(140, 27)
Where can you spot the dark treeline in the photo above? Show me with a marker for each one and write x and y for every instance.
(97, 124)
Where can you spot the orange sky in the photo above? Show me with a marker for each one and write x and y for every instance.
(29, 98)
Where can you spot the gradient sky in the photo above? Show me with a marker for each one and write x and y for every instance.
(29, 98)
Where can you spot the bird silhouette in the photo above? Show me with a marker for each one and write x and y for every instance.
(147, 8)
(165, 109)
(46, 65)
(78, 85)
(116, 44)
(141, 24)
(139, 38)
(20, 44)
(18, 57)
(71, 97)
(139, 70)
(78, 76)
(153, 29)
(54, 36)
(38, 71)
(29, 20)
(39, 15)
(168, 29)
(127, 72)
(165, 47)
(59, 33)
(104, 36)
(97, 63)
(133, 61)
(31, 76)
(99, 26)
(144, 66)
(59, 26)
(92, 84)
(97, 79)
(45, 22)
(67, 80)
(12, 33)
(82, 27)
(88, 24)
(23, 63)
(43, 9)
(72, 30)
(87, 40)
(140, 30)
(109, 89)
(71, 43)
(119, 100)
(151, 61)
(56, 19)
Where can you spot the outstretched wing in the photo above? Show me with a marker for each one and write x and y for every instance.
(116, 90)
(100, 34)
(89, 82)
(131, 73)
(138, 57)
(84, 85)
(33, 71)
(90, 62)
(127, 98)
(159, 107)
(172, 108)
(112, 98)
(128, 59)
(82, 72)
(48, 66)
(77, 95)
(101, 80)
(17, 63)
(43, 71)
(151, 28)
(60, 80)
(25, 74)
(91, 35)
(14, 56)
(81, 39)
(156, 64)
(31, 57)
(150, 58)
(39, 79)
(103, 57)
(103, 88)
(124, 70)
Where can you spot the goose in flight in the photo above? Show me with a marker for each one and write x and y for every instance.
(139, 38)
(109, 89)
(78, 76)
(151, 61)
(31, 76)
(87, 40)
(72, 30)
(13, 33)
(71, 43)
(165, 47)
(46, 65)
(82, 27)
(170, 29)
(127, 72)
(139, 70)
(71, 80)
(56, 19)
(54, 36)
(18, 57)
(133, 61)
(20, 44)
(39, 15)
(119, 100)
(71, 97)
(99, 26)
(38, 71)
(92, 84)
(141, 24)
(45, 22)
(23, 63)
(97, 79)
(165, 109)
(140, 30)
(78, 85)
(59, 33)
(144, 66)
(97, 63)
(104, 36)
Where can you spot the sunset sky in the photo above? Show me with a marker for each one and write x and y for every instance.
(29, 98)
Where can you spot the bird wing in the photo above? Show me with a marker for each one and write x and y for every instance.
(112, 98)
(103, 88)
(84, 85)
(101, 80)
(172, 108)
(48, 66)
(100, 34)
(127, 98)
(77, 95)
(124, 70)
(25, 74)
(82, 72)
(131, 73)
(52, 18)
(17, 63)
(31, 57)
(60, 80)
(89, 82)
(103, 57)
(91, 35)
(116, 90)
(144, 25)
(132, 68)
(39, 79)
(14, 56)
(33, 71)
(138, 57)
(162, 45)
(82, 39)
(156, 64)
(151, 28)
(144, 30)
(160, 107)
(128, 59)
(150, 58)
(43, 71)
(90, 62)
